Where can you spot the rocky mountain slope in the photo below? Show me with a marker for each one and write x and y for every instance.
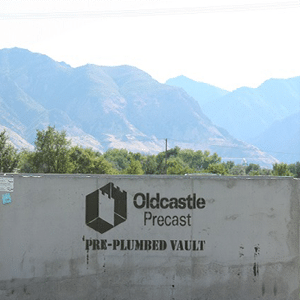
(259, 116)
(202, 92)
(103, 107)
(282, 139)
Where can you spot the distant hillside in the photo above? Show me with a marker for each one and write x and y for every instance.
(248, 112)
(282, 139)
(200, 91)
(105, 107)
(17, 141)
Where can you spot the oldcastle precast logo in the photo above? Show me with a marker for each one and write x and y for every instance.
(96, 204)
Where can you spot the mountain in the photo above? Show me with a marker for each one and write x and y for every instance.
(202, 92)
(248, 112)
(104, 107)
(253, 115)
(17, 141)
(282, 139)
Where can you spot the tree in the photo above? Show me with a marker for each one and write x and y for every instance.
(210, 159)
(238, 170)
(88, 161)
(199, 160)
(176, 166)
(295, 169)
(9, 157)
(135, 168)
(216, 168)
(228, 165)
(149, 164)
(26, 162)
(252, 169)
(52, 151)
(281, 169)
(119, 158)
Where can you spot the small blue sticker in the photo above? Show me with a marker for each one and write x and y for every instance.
(6, 198)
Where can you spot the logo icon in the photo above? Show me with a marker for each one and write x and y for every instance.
(95, 203)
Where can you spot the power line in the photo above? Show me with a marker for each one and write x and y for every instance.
(150, 12)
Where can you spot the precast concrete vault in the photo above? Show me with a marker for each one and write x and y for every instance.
(98, 237)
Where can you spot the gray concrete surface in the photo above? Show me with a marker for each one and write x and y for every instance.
(148, 237)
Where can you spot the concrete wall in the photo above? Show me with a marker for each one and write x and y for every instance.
(115, 237)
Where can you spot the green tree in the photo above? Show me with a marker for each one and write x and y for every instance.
(266, 172)
(210, 159)
(9, 157)
(26, 162)
(253, 169)
(216, 168)
(161, 159)
(228, 165)
(88, 161)
(198, 160)
(134, 168)
(119, 158)
(295, 169)
(238, 170)
(52, 151)
(149, 164)
(281, 169)
(176, 166)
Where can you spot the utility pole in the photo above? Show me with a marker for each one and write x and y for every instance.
(166, 156)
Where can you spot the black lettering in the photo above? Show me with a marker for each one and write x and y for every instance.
(173, 244)
(147, 245)
(135, 200)
(103, 244)
(155, 245)
(160, 220)
(195, 246)
(147, 216)
(141, 200)
(153, 220)
(189, 219)
(187, 245)
(96, 245)
(179, 245)
(200, 203)
(175, 221)
(139, 245)
(201, 244)
(173, 203)
(154, 202)
(182, 203)
(163, 245)
(116, 243)
(162, 205)
(123, 247)
(189, 200)
(167, 224)
(88, 244)
(130, 245)
(182, 221)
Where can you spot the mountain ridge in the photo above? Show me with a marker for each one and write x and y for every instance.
(108, 106)
(250, 113)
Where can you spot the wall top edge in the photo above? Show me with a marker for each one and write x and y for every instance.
(187, 176)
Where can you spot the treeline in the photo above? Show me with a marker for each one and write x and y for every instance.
(53, 153)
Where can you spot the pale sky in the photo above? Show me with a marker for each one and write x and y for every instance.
(226, 43)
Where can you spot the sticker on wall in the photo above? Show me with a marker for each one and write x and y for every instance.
(6, 198)
(6, 184)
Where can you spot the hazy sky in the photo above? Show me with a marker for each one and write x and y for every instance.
(225, 43)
